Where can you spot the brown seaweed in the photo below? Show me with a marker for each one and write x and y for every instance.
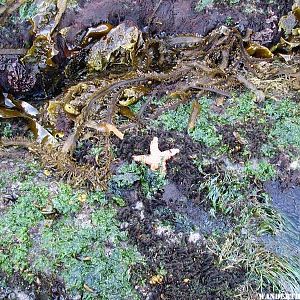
(96, 33)
(121, 47)
(194, 115)
(41, 53)
(11, 108)
(259, 51)
(124, 67)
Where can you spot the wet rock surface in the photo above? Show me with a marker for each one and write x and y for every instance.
(153, 18)
(179, 16)
(287, 202)
(196, 215)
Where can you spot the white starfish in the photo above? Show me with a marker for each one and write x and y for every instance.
(156, 159)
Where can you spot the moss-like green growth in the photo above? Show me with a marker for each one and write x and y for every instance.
(27, 10)
(95, 151)
(4, 180)
(67, 201)
(278, 119)
(262, 129)
(128, 174)
(15, 226)
(7, 130)
(227, 193)
(69, 234)
(89, 252)
(261, 170)
(265, 270)
(205, 130)
(202, 4)
(241, 109)
(284, 134)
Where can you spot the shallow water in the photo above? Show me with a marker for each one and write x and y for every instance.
(196, 215)
(287, 202)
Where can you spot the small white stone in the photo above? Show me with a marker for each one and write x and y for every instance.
(295, 165)
(162, 230)
(22, 296)
(244, 231)
(194, 237)
(139, 205)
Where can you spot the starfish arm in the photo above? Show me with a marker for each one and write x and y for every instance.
(141, 158)
(154, 167)
(148, 160)
(154, 145)
(169, 153)
(163, 167)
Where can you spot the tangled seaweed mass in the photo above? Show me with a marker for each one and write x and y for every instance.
(109, 67)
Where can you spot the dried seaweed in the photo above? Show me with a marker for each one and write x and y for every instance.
(63, 166)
